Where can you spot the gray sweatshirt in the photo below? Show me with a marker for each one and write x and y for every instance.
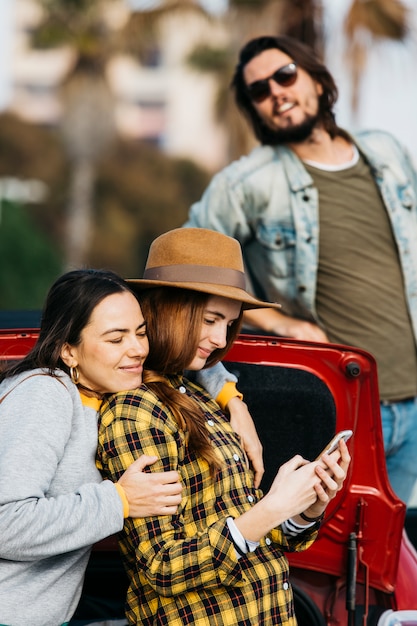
(53, 502)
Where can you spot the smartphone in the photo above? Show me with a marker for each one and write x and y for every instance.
(334, 443)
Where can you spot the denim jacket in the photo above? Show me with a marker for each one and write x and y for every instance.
(267, 200)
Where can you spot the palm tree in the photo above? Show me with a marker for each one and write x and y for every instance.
(87, 122)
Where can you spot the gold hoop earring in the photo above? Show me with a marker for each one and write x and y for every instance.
(75, 375)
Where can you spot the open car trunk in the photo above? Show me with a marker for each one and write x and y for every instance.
(299, 395)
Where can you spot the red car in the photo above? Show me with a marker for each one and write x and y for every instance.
(362, 569)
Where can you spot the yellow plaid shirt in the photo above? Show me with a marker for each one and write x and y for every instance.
(183, 569)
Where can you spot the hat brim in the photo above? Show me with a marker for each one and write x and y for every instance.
(225, 291)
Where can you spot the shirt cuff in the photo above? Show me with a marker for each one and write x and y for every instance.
(292, 529)
(242, 545)
(123, 498)
(227, 392)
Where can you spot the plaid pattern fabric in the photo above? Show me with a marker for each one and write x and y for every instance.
(183, 569)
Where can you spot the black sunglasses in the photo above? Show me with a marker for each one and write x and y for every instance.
(284, 76)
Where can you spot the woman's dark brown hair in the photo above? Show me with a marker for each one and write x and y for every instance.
(173, 320)
(305, 58)
(67, 311)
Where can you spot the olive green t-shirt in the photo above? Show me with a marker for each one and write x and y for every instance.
(360, 292)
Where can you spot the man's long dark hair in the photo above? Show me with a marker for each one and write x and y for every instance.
(305, 58)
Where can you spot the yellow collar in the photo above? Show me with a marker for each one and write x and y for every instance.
(93, 403)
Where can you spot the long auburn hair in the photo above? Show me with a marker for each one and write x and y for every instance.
(173, 320)
(304, 57)
(67, 311)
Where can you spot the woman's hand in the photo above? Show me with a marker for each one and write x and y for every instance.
(293, 491)
(332, 470)
(157, 493)
(294, 488)
(242, 423)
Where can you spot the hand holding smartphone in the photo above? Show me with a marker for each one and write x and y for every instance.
(334, 443)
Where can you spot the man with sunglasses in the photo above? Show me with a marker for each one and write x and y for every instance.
(328, 226)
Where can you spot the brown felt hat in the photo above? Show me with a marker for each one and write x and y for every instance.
(200, 260)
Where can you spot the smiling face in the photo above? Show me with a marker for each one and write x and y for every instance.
(219, 315)
(290, 111)
(113, 346)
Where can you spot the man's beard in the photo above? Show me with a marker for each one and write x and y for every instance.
(292, 134)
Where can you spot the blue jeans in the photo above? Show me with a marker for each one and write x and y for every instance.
(399, 427)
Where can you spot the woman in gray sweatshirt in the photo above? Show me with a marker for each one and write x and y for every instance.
(53, 502)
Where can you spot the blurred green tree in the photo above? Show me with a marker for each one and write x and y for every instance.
(28, 260)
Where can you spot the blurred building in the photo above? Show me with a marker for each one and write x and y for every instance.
(6, 12)
(36, 75)
(161, 100)
(167, 102)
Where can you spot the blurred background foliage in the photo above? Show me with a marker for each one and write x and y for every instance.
(139, 193)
